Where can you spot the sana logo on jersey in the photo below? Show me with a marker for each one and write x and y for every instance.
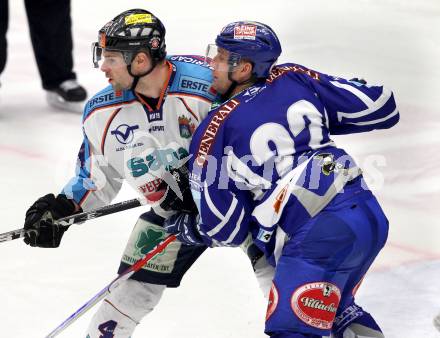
(124, 133)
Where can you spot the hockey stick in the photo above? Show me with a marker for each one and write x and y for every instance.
(113, 284)
(81, 217)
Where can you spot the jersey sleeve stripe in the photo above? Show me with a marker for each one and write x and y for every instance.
(372, 106)
(237, 228)
(225, 220)
(377, 121)
(104, 134)
(106, 107)
(89, 176)
(211, 205)
(83, 199)
(188, 109)
(165, 87)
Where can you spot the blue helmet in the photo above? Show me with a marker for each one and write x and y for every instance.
(253, 41)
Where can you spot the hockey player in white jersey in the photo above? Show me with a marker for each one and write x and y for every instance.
(137, 130)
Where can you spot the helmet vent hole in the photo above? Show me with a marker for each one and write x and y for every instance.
(135, 31)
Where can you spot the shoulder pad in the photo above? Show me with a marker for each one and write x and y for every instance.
(106, 97)
(192, 76)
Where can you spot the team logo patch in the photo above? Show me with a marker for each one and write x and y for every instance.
(245, 32)
(124, 133)
(316, 304)
(273, 301)
(186, 127)
(154, 43)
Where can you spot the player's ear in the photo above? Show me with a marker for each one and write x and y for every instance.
(245, 70)
(141, 59)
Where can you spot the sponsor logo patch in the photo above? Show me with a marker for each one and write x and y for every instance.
(273, 301)
(124, 133)
(150, 188)
(194, 84)
(196, 60)
(133, 19)
(153, 129)
(154, 116)
(276, 72)
(264, 235)
(316, 304)
(208, 137)
(101, 99)
(167, 159)
(245, 32)
(147, 240)
(252, 92)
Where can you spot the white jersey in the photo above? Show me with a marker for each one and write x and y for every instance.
(127, 139)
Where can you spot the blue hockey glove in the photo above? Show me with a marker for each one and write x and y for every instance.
(184, 226)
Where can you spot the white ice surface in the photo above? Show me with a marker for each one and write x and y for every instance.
(388, 41)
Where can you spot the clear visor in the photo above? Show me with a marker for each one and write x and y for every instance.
(112, 58)
(220, 59)
(96, 54)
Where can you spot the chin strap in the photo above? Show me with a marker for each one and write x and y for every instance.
(136, 78)
(226, 96)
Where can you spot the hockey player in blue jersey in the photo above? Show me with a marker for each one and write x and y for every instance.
(263, 162)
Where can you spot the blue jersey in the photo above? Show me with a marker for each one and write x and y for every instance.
(266, 158)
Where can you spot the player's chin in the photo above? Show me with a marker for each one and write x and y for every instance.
(116, 86)
(217, 86)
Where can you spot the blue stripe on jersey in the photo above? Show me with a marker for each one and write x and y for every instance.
(106, 97)
(79, 185)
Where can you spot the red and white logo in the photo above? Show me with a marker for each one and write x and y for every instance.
(155, 43)
(245, 32)
(273, 301)
(316, 304)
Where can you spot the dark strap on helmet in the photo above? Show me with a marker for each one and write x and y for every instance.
(226, 96)
(136, 78)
